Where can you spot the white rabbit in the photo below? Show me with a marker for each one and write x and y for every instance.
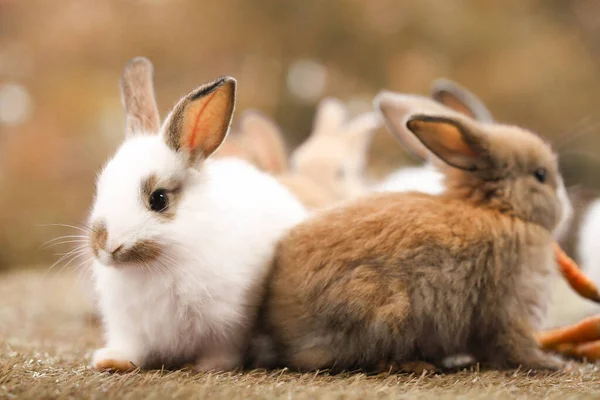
(182, 244)
(588, 247)
(581, 239)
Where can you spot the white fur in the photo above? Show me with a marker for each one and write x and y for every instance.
(588, 249)
(424, 179)
(188, 305)
(566, 216)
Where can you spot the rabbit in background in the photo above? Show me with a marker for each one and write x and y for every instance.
(181, 243)
(257, 139)
(327, 168)
(405, 276)
(334, 155)
(581, 241)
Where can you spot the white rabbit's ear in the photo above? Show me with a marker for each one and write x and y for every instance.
(200, 121)
(453, 140)
(460, 99)
(265, 141)
(331, 114)
(396, 108)
(138, 98)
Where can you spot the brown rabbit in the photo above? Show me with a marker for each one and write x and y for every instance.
(407, 276)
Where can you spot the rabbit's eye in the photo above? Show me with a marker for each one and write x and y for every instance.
(159, 201)
(540, 174)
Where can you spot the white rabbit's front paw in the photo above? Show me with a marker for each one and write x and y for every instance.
(114, 360)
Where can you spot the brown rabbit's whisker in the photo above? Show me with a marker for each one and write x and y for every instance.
(583, 153)
(563, 141)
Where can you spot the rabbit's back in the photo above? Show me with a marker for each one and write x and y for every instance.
(400, 275)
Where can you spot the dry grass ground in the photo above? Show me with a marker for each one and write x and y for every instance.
(46, 342)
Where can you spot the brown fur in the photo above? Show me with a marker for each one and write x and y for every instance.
(448, 95)
(401, 277)
(141, 252)
(460, 99)
(98, 237)
(138, 97)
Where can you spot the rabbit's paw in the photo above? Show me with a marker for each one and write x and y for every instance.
(109, 359)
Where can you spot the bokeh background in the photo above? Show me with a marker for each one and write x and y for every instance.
(535, 63)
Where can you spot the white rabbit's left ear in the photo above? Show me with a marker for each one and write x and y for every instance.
(200, 121)
(138, 97)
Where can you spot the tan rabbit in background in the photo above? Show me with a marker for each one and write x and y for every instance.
(328, 167)
(410, 276)
(257, 139)
(334, 155)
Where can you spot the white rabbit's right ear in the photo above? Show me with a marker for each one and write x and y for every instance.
(460, 99)
(138, 98)
(265, 141)
(331, 114)
(200, 121)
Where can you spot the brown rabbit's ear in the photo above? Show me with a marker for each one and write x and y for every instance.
(138, 98)
(460, 99)
(395, 109)
(264, 139)
(331, 114)
(200, 121)
(454, 142)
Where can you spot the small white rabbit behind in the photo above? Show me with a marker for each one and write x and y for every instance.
(588, 249)
(182, 244)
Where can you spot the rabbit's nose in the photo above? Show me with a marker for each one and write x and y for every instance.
(115, 249)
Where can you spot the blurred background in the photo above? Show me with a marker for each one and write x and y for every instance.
(535, 63)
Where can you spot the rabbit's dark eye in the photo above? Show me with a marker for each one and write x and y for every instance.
(159, 201)
(540, 174)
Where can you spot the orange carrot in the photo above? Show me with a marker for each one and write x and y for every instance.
(590, 351)
(584, 331)
(581, 283)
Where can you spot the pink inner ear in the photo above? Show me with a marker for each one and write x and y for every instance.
(193, 136)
